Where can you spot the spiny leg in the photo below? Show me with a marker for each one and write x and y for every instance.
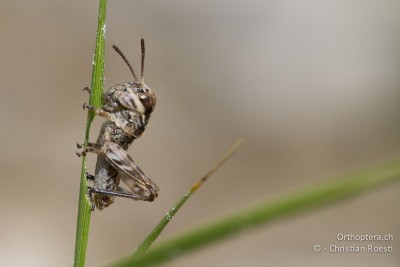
(119, 193)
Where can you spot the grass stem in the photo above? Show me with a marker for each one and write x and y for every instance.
(83, 221)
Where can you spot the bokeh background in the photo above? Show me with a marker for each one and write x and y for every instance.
(311, 86)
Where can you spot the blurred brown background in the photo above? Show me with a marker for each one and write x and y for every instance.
(311, 86)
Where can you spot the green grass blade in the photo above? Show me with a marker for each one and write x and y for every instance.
(83, 222)
(168, 216)
(266, 211)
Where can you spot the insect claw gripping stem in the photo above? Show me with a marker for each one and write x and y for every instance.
(90, 195)
(86, 106)
(80, 154)
(89, 176)
(87, 89)
(83, 153)
(98, 111)
(79, 145)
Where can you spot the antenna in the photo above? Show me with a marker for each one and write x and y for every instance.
(127, 62)
(142, 63)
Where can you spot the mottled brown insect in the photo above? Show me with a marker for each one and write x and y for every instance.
(127, 108)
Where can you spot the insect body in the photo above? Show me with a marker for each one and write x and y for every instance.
(127, 107)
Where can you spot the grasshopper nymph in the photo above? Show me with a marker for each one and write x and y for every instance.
(127, 108)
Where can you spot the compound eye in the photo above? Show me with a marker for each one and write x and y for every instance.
(148, 102)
